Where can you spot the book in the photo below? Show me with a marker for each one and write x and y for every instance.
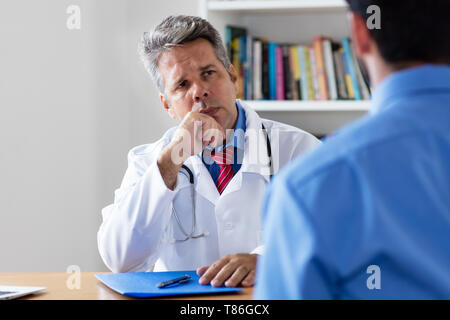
(243, 67)
(320, 72)
(235, 60)
(305, 72)
(232, 32)
(330, 69)
(272, 71)
(265, 71)
(351, 67)
(287, 75)
(315, 82)
(295, 70)
(279, 73)
(348, 79)
(365, 93)
(257, 70)
(249, 69)
(340, 75)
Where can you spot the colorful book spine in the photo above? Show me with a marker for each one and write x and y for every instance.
(279, 73)
(235, 60)
(287, 76)
(312, 59)
(365, 93)
(348, 79)
(351, 67)
(340, 75)
(272, 71)
(306, 81)
(243, 66)
(257, 70)
(330, 70)
(232, 32)
(249, 69)
(309, 74)
(320, 69)
(265, 71)
(295, 69)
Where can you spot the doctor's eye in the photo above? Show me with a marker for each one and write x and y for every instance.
(209, 72)
(182, 84)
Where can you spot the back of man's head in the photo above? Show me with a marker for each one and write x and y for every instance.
(411, 30)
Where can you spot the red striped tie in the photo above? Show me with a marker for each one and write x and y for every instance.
(224, 159)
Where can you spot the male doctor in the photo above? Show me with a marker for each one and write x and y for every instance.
(192, 200)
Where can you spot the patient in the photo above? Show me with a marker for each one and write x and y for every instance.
(367, 215)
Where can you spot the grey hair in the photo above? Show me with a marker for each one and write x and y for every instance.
(175, 31)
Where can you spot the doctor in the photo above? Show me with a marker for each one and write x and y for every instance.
(192, 200)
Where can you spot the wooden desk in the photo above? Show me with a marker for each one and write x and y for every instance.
(91, 288)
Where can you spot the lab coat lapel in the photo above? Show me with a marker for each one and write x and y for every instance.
(256, 158)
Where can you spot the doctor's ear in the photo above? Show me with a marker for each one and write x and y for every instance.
(234, 77)
(166, 106)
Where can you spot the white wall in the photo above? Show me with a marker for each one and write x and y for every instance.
(72, 103)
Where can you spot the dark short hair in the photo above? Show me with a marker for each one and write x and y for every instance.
(411, 30)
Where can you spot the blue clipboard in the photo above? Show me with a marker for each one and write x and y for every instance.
(145, 284)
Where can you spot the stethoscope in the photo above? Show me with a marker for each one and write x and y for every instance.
(188, 173)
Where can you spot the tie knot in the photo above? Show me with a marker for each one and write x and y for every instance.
(223, 157)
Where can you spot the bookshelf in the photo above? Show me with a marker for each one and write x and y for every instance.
(295, 21)
(275, 6)
(293, 105)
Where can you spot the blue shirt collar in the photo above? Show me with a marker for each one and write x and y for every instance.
(410, 81)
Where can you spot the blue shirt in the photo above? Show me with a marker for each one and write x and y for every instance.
(367, 214)
(237, 142)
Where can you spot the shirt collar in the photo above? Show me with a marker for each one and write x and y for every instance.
(409, 82)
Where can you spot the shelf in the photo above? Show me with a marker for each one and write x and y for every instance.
(276, 6)
(340, 105)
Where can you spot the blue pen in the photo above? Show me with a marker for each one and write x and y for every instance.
(178, 280)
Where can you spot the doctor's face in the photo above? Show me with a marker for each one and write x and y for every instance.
(193, 74)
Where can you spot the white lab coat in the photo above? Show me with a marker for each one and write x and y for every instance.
(138, 227)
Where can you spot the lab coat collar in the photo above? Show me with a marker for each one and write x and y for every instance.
(256, 158)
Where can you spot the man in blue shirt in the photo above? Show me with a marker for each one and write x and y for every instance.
(367, 214)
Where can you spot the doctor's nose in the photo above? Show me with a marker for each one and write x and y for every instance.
(198, 98)
(200, 93)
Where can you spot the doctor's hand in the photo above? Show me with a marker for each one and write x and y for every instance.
(195, 132)
(232, 270)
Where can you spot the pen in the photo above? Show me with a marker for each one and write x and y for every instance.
(179, 280)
